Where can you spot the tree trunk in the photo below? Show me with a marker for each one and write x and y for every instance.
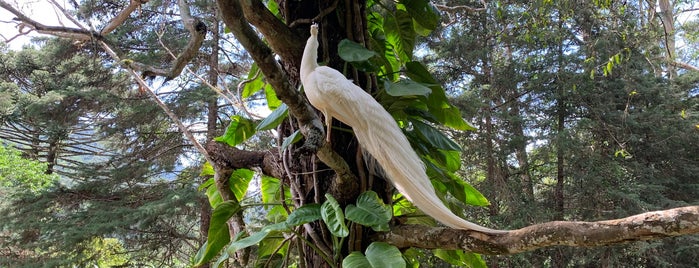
(666, 17)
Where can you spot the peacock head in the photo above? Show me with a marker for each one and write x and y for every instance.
(314, 29)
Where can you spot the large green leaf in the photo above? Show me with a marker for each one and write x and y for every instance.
(218, 235)
(239, 182)
(206, 170)
(353, 52)
(239, 130)
(435, 137)
(213, 195)
(461, 258)
(293, 138)
(423, 12)
(378, 255)
(333, 217)
(255, 238)
(356, 260)
(272, 193)
(271, 96)
(305, 214)
(273, 119)
(254, 83)
(384, 255)
(445, 181)
(406, 87)
(370, 211)
(400, 34)
(387, 57)
(437, 101)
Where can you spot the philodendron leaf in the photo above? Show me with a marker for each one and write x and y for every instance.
(378, 255)
(274, 118)
(353, 52)
(218, 232)
(407, 87)
(239, 130)
(384, 255)
(304, 214)
(333, 217)
(255, 238)
(370, 211)
(356, 260)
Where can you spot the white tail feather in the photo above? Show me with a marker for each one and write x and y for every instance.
(378, 133)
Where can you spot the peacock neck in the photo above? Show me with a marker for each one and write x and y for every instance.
(309, 61)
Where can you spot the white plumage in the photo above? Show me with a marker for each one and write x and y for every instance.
(378, 133)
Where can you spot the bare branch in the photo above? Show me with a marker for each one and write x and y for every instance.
(453, 9)
(646, 226)
(122, 16)
(197, 30)
(685, 66)
(66, 32)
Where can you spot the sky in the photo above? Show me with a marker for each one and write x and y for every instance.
(40, 10)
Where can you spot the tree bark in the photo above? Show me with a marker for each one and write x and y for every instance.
(646, 226)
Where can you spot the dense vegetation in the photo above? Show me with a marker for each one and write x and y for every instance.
(554, 110)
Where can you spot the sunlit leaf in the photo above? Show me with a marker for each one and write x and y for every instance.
(274, 119)
(271, 96)
(255, 238)
(423, 13)
(461, 258)
(239, 130)
(218, 235)
(239, 182)
(400, 34)
(254, 82)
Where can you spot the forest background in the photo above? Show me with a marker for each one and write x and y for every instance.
(118, 126)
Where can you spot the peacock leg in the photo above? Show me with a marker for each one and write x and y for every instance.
(328, 126)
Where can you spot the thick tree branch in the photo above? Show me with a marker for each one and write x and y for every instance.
(646, 226)
(685, 66)
(287, 44)
(122, 16)
(197, 31)
(310, 124)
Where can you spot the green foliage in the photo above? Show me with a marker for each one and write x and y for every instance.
(370, 211)
(461, 258)
(350, 51)
(239, 130)
(23, 174)
(378, 254)
(218, 236)
(333, 217)
(274, 119)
